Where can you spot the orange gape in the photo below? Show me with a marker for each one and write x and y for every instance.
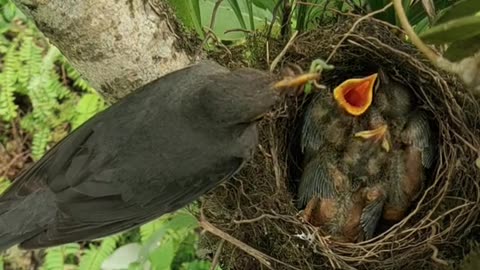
(355, 95)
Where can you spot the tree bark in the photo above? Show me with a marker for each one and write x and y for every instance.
(117, 45)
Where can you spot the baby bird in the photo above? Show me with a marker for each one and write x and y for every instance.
(328, 123)
(365, 166)
(406, 173)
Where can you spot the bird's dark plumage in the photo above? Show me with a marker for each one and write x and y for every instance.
(151, 153)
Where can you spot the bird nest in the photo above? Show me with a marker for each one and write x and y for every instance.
(251, 221)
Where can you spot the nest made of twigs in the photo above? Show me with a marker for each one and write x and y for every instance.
(254, 213)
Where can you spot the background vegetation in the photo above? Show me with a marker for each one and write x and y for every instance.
(42, 99)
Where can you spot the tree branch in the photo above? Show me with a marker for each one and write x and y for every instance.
(117, 45)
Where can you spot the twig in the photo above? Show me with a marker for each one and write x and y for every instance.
(263, 258)
(353, 28)
(276, 166)
(284, 51)
(429, 53)
(217, 255)
(262, 216)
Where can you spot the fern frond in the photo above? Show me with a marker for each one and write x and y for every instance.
(87, 106)
(147, 230)
(93, 257)
(39, 143)
(78, 81)
(30, 56)
(8, 109)
(56, 257)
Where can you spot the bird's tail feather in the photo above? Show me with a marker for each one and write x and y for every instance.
(23, 218)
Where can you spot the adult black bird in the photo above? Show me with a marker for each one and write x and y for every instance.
(151, 153)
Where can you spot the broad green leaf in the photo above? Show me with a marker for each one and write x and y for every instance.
(416, 13)
(451, 31)
(189, 13)
(249, 4)
(162, 257)
(458, 10)
(238, 12)
(463, 48)
(9, 11)
(178, 221)
(224, 18)
(388, 15)
(122, 257)
(265, 4)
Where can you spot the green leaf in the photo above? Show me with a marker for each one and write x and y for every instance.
(4, 184)
(458, 10)
(162, 257)
(122, 257)
(198, 265)
(94, 256)
(9, 11)
(40, 143)
(417, 13)
(388, 15)
(265, 4)
(189, 13)
(176, 222)
(460, 29)
(238, 13)
(224, 21)
(463, 48)
(249, 4)
(88, 106)
(55, 257)
(147, 230)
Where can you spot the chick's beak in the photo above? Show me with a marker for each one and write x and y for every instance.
(378, 134)
(355, 95)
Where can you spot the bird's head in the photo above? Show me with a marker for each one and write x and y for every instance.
(355, 95)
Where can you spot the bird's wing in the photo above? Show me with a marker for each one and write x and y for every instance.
(123, 168)
(316, 180)
(316, 116)
(418, 133)
(371, 215)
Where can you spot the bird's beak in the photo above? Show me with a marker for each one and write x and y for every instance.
(378, 134)
(355, 95)
(296, 81)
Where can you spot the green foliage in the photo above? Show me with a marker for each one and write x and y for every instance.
(59, 257)
(35, 87)
(4, 184)
(197, 14)
(167, 243)
(458, 26)
(454, 30)
(93, 257)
